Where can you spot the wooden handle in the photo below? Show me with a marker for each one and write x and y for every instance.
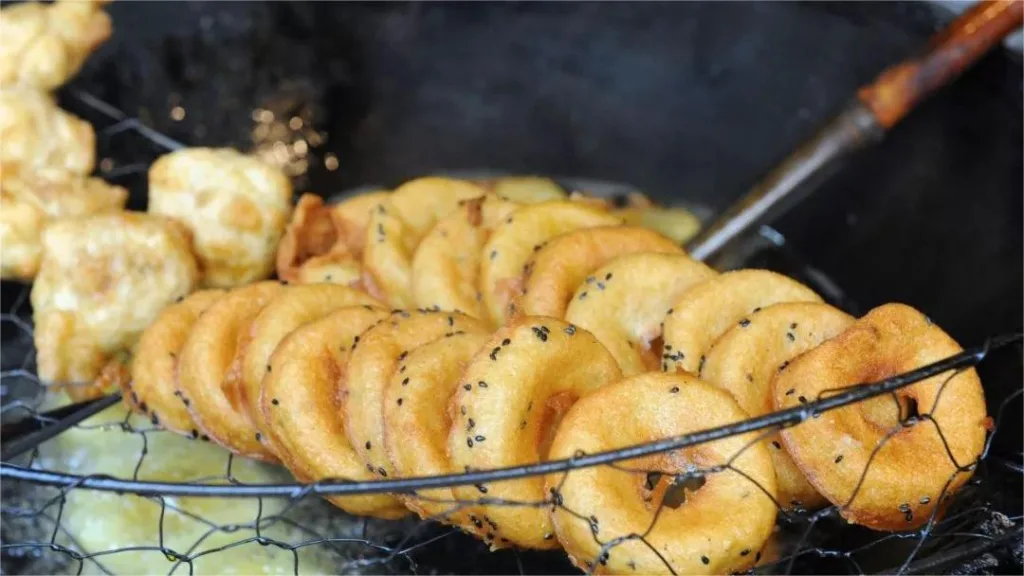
(899, 88)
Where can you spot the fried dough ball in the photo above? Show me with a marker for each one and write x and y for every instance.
(36, 135)
(284, 313)
(719, 528)
(46, 44)
(103, 279)
(703, 313)
(397, 227)
(236, 206)
(153, 388)
(446, 266)
(513, 394)
(31, 200)
(376, 356)
(891, 462)
(623, 304)
(210, 369)
(514, 241)
(325, 243)
(555, 270)
(416, 424)
(749, 355)
(302, 407)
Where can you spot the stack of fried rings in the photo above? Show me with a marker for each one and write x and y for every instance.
(607, 336)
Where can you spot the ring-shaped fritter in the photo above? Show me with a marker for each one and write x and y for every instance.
(890, 461)
(704, 312)
(514, 241)
(623, 304)
(210, 369)
(287, 311)
(397, 226)
(511, 398)
(301, 404)
(557, 269)
(749, 355)
(717, 529)
(153, 388)
(375, 357)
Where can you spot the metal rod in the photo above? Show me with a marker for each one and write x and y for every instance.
(25, 442)
(878, 107)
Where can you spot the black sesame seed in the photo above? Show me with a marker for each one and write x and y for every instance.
(802, 399)
(268, 368)
(463, 410)
(608, 276)
(399, 401)
(570, 330)
(368, 445)
(776, 445)
(756, 310)
(382, 472)
(790, 336)
(470, 424)
(674, 389)
(204, 438)
(402, 369)
(839, 459)
(155, 419)
(670, 311)
(195, 433)
(186, 401)
(494, 354)
(259, 436)
(757, 557)
(783, 366)
(451, 321)
(583, 295)
(744, 322)
(745, 552)
(705, 560)
(469, 442)
(792, 326)
(700, 368)
(380, 229)
(790, 391)
(143, 407)
(600, 285)
(405, 382)
(494, 254)
(482, 384)
(467, 387)
(549, 536)
(925, 500)
(479, 438)
(370, 468)
(275, 401)
(750, 377)
(905, 507)
(481, 488)
(541, 334)
(403, 355)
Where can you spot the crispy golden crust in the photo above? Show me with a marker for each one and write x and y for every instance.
(446, 266)
(909, 469)
(624, 303)
(36, 135)
(416, 423)
(396, 228)
(284, 313)
(153, 388)
(375, 358)
(748, 356)
(236, 206)
(103, 279)
(31, 200)
(555, 270)
(717, 530)
(301, 405)
(704, 312)
(45, 44)
(210, 369)
(514, 392)
(513, 242)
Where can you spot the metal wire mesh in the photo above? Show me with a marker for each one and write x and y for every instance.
(67, 504)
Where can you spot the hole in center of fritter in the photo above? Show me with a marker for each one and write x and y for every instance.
(890, 411)
(553, 412)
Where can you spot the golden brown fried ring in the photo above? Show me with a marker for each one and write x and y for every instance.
(301, 404)
(286, 312)
(559, 267)
(513, 394)
(513, 242)
(37, 135)
(623, 304)
(395, 230)
(416, 424)
(718, 529)
(375, 358)
(746, 358)
(526, 189)
(236, 206)
(46, 44)
(909, 470)
(210, 369)
(103, 279)
(446, 266)
(153, 388)
(32, 199)
(703, 313)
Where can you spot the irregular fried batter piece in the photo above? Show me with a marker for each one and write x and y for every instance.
(513, 395)
(153, 387)
(446, 266)
(44, 45)
(103, 279)
(36, 135)
(236, 206)
(396, 228)
(719, 528)
(34, 199)
(891, 462)
(525, 189)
